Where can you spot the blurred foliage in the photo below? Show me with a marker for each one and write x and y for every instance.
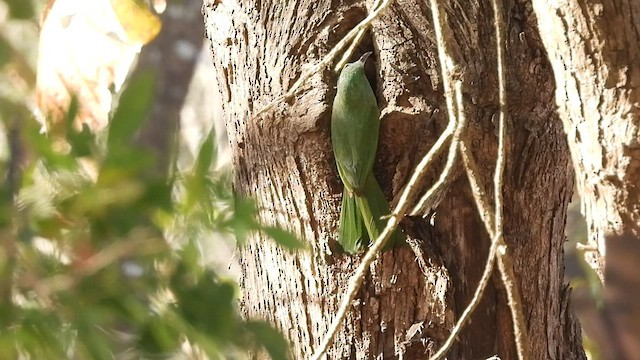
(21, 9)
(99, 257)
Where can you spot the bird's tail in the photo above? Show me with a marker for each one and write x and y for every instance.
(373, 207)
(361, 218)
(351, 236)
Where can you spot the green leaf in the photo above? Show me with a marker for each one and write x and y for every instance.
(20, 9)
(9, 341)
(207, 305)
(190, 258)
(272, 341)
(6, 51)
(124, 162)
(43, 146)
(41, 334)
(243, 220)
(135, 103)
(138, 21)
(94, 344)
(6, 207)
(83, 142)
(283, 237)
(11, 109)
(72, 113)
(158, 336)
(206, 156)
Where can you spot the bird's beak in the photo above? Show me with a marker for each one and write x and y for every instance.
(364, 57)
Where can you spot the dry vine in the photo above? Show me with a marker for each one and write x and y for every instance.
(347, 54)
(493, 224)
(454, 133)
(403, 204)
(504, 260)
(447, 66)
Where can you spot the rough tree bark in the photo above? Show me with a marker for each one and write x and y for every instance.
(594, 48)
(284, 160)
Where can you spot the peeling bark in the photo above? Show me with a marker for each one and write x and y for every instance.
(284, 160)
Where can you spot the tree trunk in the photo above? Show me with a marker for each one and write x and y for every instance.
(284, 160)
(594, 48)
(172, 57)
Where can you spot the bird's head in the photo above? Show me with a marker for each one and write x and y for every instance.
(353, 70)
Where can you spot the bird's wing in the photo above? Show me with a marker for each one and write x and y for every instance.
(356, 144)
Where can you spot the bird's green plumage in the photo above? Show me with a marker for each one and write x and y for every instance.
(355, 124)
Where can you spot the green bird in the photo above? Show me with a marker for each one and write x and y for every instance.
(355, 124)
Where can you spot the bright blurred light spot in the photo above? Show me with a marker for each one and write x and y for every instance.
(83, 50)
(132, 269)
